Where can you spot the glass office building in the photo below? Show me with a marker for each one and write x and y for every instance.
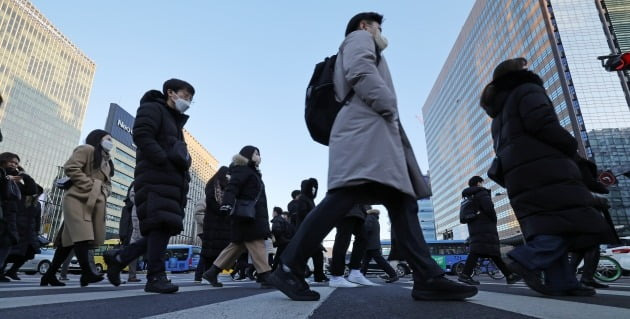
(561, 40)
(426, 216)
(45, 81)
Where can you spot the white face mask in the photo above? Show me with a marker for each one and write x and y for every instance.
(381, 41)
(181, 105)
(107, 145)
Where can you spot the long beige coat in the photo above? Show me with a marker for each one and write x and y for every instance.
(84, 202)
(367, 141)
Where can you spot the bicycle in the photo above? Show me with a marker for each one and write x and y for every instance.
(608, 269)
(484, 266)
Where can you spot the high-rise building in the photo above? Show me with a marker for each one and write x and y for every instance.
(45, 81)
(561, 39)
(204, 166)
(615, 14)
(426, 215)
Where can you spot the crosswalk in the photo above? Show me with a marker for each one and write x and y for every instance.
(243, 299)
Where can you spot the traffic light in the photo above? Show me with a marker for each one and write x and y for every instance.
(616, 62)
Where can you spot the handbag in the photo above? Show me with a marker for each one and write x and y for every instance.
(244, 209)
(495, 172)
(63, 183)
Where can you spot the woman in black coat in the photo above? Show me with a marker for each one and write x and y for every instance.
(483, 235)
(21, 219)
(544, 184)
(245, 184)
(216, 225)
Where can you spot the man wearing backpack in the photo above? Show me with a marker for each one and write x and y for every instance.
(370, 162)
(483, 235)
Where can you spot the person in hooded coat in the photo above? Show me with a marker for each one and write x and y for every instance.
(245, 184)
(161, 182)
(483, 234)
(216, 225)
(370, 162)
(538, 162)
(304, 204)
(90, 169)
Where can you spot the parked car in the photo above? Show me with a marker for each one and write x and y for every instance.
(40, 263)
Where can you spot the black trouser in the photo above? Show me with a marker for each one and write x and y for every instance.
(201, 267)
(279, 251)
(81, 251)
(403, 214)
(345, 229)
(153, 247)
(378, 257)
(471, 262)
(591, 260)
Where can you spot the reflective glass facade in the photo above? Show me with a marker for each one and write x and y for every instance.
(45, 81)
(603, 104)
(561, 40)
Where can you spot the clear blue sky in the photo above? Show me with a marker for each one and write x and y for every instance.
(249, 62)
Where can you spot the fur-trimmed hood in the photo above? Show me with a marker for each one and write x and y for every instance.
(240, 160)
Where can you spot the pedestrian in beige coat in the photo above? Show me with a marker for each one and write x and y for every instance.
(90, 170)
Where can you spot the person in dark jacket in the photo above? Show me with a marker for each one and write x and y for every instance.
(9, 163)
(304, 204)
(129, 230)
(161, 181)
(591, 255)
(483, 235)
(27, 222)
(216, 225)
(351, 224)
(292, 207)
(245, 184)
(373, 248)
(538, 164)
(282, 231)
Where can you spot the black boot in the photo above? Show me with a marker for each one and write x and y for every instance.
(263, 280)
(50, 277)
(160, 284)
(87, 276)
(291, 285)
(320, 277)
(467, 279)
(113, 266)
(211, 276)
(587, 282)
(440, 288)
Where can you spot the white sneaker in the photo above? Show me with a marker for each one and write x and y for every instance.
(341, 283)
(361, 280)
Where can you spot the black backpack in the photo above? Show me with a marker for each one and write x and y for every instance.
(468, 210)
(321, 105)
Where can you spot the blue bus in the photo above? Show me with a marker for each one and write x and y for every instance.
(182, 258)
(448, 253)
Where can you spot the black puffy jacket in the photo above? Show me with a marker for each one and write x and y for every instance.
(246, 183)
(162, 163)
(482, 231)
(543, 181)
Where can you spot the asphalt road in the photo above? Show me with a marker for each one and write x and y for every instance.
(25, 299)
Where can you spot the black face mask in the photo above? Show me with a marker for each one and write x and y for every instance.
(11, 171)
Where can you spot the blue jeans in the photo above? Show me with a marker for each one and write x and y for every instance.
(549, 254)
